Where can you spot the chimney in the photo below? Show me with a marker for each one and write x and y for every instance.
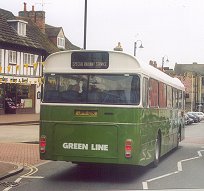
(24, 7)
(31, 14)
(38, 17)
(40, 20)
(23, 13)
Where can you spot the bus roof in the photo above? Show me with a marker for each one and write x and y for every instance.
(119, 62)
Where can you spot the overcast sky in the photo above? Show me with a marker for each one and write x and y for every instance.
(170, 28)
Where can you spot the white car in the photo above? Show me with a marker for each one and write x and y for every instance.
(199, 114)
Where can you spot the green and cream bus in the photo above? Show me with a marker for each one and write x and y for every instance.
(106, 107)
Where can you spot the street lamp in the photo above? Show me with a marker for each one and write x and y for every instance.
(85, 23)
(135, 46)
(163, 59)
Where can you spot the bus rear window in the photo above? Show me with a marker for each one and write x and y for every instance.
(94, 89)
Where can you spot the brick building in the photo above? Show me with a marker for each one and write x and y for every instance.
(192, 76)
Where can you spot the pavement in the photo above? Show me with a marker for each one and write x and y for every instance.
(15, 156)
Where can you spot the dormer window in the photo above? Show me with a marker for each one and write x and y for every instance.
(19, 26)
(61, 42)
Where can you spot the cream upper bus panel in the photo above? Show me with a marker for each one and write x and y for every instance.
(161, 76)
(58, 62)
(118, 62)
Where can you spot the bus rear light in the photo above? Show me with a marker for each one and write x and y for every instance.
(128, 148)
(42, 144)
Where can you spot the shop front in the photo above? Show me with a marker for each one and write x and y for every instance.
(18, 98)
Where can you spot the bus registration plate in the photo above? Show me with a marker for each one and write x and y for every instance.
(90, 113)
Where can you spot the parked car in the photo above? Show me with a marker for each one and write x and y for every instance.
(195, 118)
(188, 120)
(199, 114)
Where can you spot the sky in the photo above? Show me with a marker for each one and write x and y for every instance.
(173, 29)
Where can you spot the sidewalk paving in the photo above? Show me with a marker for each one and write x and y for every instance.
(9, 119)
(9, 169)
(14, 156)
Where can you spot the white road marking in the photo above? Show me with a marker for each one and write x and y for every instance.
(179, 167)
(32, 171)
(18, 180)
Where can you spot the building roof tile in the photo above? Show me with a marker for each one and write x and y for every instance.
(34, 39)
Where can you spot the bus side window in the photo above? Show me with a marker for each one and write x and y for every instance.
(135, 90)
(162, 95)
(169, 97)
(145, 92)
(175, 98)
(180, 98)
(153, 92)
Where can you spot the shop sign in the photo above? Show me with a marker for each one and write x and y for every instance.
(13, 80)
(24, 80)
(3, 79)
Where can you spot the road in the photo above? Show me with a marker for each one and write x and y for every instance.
(180, 169)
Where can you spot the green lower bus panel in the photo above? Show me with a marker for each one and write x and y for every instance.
(85, 140)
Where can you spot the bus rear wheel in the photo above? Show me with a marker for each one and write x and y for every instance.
(157, 151)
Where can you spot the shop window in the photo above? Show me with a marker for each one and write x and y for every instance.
(25, 96)
(1, 96)
(10, 98)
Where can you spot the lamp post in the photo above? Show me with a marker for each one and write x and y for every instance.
(163, 59)
(85, 23)
(135, 46)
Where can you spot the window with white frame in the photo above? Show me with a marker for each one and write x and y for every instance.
(12, 57)
(61, 42)
(28, 59)
(22, 28)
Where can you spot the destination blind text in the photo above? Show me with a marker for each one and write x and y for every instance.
(89, 65)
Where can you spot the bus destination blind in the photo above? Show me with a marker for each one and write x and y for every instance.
(89, 60)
